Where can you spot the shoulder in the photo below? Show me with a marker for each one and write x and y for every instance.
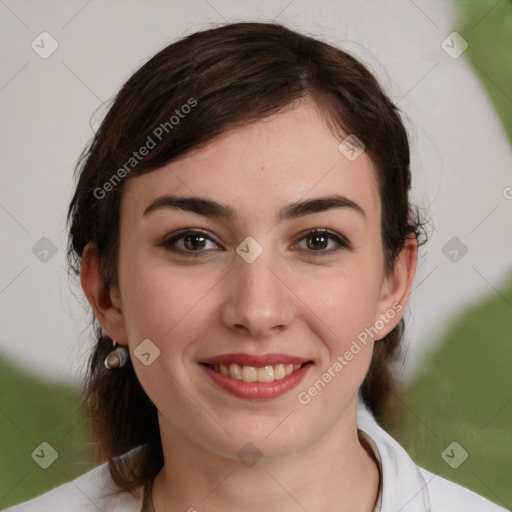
(89, 492)
(446, 496)
(410, 488)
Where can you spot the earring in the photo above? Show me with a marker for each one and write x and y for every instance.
(117, 358)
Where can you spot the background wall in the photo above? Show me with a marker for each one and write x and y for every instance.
(63, 60)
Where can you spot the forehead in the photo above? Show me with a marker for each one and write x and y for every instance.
(262, 166)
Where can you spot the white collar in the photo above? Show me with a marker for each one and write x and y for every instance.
(404, 488)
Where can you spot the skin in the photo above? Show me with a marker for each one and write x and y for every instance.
(287, 301)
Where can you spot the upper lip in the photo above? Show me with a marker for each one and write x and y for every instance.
(243, 359)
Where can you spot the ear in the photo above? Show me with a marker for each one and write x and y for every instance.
(396, 288)
(106, 303)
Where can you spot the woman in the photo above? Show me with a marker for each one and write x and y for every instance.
(243, 232)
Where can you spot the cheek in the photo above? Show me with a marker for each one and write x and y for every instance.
(343, 312)
(162, 304)
(345, 307)
(171, 311)
(346, 304)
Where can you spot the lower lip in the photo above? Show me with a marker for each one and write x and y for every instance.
(258, 390)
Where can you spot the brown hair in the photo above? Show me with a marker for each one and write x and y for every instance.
(228, 76)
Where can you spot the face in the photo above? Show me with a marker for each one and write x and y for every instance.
(255, 284)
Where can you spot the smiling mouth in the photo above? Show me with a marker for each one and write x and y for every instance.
(268, 373)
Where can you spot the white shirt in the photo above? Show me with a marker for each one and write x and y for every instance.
(405, 487)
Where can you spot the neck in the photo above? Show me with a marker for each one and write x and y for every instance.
(336, 472)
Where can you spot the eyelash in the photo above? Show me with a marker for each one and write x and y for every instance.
(342, 242)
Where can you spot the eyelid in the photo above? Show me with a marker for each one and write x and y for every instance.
(169, 241)
(342, 241)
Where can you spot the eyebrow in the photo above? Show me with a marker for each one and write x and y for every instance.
(210, 208)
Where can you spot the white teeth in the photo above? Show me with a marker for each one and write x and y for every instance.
(279, 372)
(266, 374)
(235, 372)
(249, 374)
(253, 374)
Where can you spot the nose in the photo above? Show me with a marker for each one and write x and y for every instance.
(259, 302)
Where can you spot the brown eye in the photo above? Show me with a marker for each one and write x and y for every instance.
(193, 242)
(323, 242)
(317, 242)
(189, 242)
